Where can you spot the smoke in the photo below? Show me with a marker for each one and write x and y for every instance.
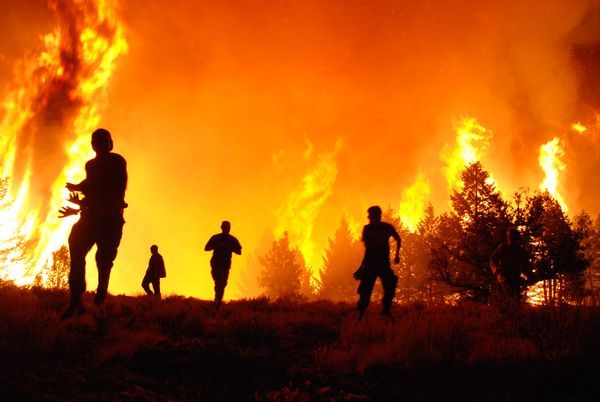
(216, 99)
(53, 78)
(232, 90)
(49, 109)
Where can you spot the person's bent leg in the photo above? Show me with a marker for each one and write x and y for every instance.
(146, 285)
(365, 288)
(156, 286)
(108, 245)
(217, 280)
(389, 281)
(220, 276)
(80, 243)
(224, 278)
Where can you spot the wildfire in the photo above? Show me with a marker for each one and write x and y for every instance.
(303, 206)
(472, 140)
(413, 203)
(53, 106)
(550, 161)
(579, 128)
(355, 227)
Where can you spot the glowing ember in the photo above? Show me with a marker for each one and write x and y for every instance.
(550, 161)
(578, 127)
(54, 102)
(535, 294)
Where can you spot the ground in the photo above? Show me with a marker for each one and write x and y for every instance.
(137, 348)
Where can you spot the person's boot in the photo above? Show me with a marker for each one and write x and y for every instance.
(100, 296)
(103, 277)
(387, 313)
(75, 308)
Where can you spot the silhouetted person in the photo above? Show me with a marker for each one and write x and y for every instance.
(101, 221)
(508, 262)
(155, 271)
(222, 245)
(376, 262)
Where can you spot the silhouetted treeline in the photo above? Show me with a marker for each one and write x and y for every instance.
(447, 257)
(12, 249)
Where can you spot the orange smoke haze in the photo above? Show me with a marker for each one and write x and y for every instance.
(286, 116)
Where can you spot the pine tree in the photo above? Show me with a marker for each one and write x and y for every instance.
(434, 291)
(282, 269)
(585, 227)
(409, 278)
(593, 256)
(342, 257)
(13, 248)
(556, 249)
(470, 233)
(58, 272)
(417, 281)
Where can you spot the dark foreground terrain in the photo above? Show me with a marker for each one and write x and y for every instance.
(182, 349)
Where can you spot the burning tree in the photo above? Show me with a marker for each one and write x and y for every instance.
(50, 108)
(342, 258)
(417, 281)
(283, 269)
(58, 272)
(590, 244)
(470, 233)
(410, 273)
(557, 253)
(12, 241)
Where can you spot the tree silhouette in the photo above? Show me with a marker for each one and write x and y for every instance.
(557, 254)
(470, 233)
(590, 245)
(342, 257)
(306, 286)
(592, 252)
(12, 248)
(433, 290)
(410, 273)
(58, 272)
(282, 270)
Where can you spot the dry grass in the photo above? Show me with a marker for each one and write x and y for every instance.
(284, 350)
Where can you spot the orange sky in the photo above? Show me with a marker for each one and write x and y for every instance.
(222, 107)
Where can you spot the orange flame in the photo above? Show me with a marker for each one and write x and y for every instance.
(303, 206)
(550, 161)
(59, 90)
(579, 128)
(413, 203)
(355, 227)
(472, 140)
